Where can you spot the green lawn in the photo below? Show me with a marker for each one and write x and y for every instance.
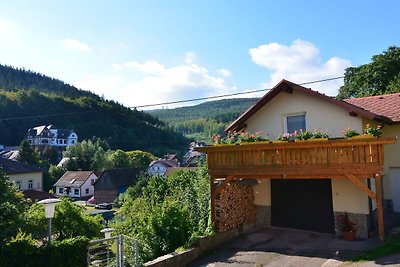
(390, 246)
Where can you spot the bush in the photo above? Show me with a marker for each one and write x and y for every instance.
(23, 251)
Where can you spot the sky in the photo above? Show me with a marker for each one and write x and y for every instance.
(148, 52)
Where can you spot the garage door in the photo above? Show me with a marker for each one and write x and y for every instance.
(302, 204)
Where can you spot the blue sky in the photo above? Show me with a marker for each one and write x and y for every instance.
(144, 52)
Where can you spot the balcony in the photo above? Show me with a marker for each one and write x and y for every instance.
(307, 159)
(352, 159)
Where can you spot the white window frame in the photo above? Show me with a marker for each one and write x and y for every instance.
(30, 184)
(18, 185)
(285, 116)
(76, 194)
(61, 190)
(87, 191)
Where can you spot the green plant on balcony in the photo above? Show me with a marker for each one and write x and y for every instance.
(319, 135)
(285, 137)
(302, 135)
(349, 133)
(375, 131)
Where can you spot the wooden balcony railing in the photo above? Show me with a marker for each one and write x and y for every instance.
(307, 159)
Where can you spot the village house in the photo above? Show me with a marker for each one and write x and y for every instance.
(76, 184)
(308, 185)
(49, 135)
(111, 183)
(160, 167)
(24, 176)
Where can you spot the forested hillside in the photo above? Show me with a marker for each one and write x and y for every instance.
(28, 99)
(202, 121)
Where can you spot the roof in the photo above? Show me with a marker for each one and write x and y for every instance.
(113, 179)
(15, 167)
(64, 133)
(165, 162)
(289, 87)
(36, 195)
(73, 179)
(384, 105)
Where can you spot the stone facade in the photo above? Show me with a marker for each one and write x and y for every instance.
(263, 216)
(361, 221)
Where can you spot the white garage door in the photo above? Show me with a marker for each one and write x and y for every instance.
(395, 183)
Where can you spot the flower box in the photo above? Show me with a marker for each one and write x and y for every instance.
(363, 136)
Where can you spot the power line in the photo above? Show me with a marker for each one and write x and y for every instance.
(225, 95)
(44, 115)
(165, 103)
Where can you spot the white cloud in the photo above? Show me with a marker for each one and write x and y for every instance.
(148, 66)
(190, 57)
(150, 82)
(8, 30)
(299, 62)
(75, 45)
(224, 73)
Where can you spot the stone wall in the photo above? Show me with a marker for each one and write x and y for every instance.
(262, 216)
(361, 224)
(203, 245)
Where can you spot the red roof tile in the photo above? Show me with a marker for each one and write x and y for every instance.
(383, 105)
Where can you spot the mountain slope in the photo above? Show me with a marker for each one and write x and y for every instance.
(29, 99)
(202, 121)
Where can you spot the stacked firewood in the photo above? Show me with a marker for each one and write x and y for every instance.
(235, 206)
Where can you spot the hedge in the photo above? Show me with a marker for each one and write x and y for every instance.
(66, 253)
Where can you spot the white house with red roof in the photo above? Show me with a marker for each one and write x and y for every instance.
(288, 107)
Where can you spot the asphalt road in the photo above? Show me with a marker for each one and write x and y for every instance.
(284, 247)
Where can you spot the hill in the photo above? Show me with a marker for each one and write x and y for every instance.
(29, 99)
(200, 122)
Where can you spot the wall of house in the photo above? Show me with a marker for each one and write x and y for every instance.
(23, 178)
(319, 115)
(392, 159)
(347, 197)
(88, 185)
(105, 195)
(262, 202)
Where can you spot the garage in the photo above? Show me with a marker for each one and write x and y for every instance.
(302, 204)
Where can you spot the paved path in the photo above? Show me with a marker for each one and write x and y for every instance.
(282, 247)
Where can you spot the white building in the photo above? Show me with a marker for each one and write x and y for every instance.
(51, 136)
(76, 184)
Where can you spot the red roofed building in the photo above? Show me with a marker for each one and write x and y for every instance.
(286, 202)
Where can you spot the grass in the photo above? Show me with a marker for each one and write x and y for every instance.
(391, 246)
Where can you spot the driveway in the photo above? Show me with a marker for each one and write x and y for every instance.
(287, 247)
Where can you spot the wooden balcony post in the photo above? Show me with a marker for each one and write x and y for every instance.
(379, 208)
(212, 199)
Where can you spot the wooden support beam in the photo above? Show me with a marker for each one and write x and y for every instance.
(379, 208)
(212, 188)
(361, 185)
(218, 189)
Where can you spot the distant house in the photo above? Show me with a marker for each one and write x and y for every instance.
(160, 167)
(36, 195)
(25, 177)
(76, 184)
(192, 157)
(111, 183)
(51, 136)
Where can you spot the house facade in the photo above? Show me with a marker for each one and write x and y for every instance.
(49, 135)
(111, 183)
(314, 204)
(160, 167)
(76, 184)
(24, 176)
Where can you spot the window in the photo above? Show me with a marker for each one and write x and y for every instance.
(87, 190)
(18, 185)
(295, 122)
(61, 190)
(76, 191)
(30, 184)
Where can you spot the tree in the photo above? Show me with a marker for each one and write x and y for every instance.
(12, 207)
(69, 221)
(27, 154)
(381, 76)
